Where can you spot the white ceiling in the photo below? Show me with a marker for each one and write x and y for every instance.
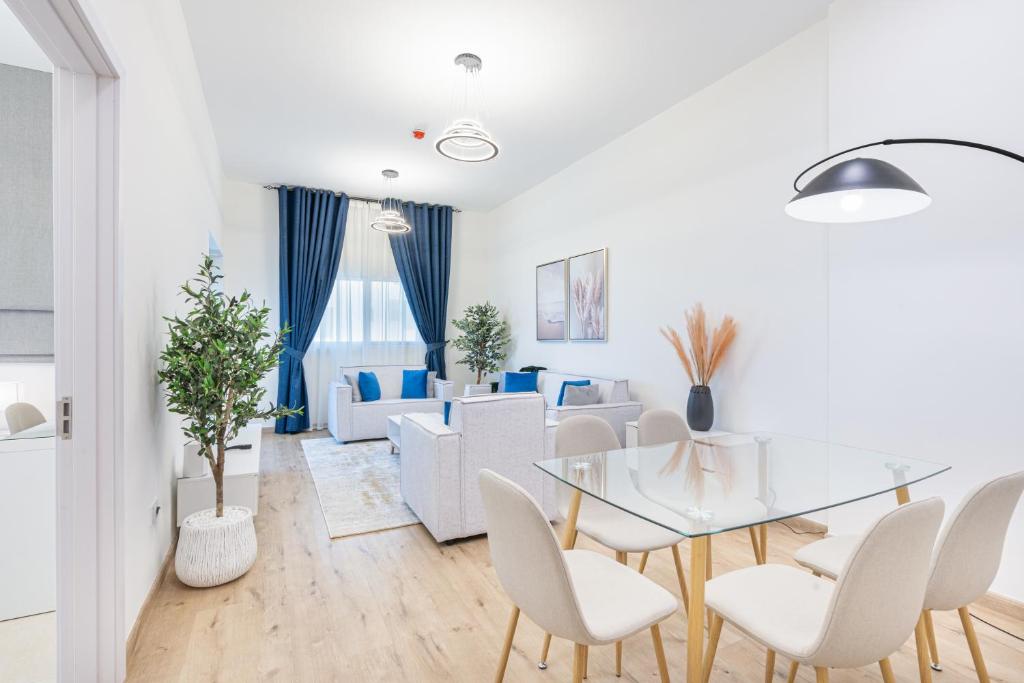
(325, 93)
(17, 48)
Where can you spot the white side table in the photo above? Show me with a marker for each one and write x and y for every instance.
(633, 431)
(395, 432)
(241, 478)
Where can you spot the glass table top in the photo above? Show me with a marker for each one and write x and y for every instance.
(715, 484)
(46, 430)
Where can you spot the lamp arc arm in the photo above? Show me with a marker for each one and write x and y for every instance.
(911, 141)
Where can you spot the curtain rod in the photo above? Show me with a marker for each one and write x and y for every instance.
(373, 200)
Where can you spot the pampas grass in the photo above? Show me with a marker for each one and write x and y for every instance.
(704, 356)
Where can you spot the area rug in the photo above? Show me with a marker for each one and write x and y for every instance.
(358, 486)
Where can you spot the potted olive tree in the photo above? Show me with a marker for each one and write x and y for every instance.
(483, 340)
(212, 366)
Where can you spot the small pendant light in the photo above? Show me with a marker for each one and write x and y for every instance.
(466, 139)
(391, 219)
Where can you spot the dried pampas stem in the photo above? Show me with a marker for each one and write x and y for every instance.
(703, 358)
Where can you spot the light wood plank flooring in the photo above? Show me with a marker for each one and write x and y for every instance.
(396, 606)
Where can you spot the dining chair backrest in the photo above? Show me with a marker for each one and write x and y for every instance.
(22, 416)
(878, 596)
(662, 426)
(970, 545)
(584, 434)
(528, 559)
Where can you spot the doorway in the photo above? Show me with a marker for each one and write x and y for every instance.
(86, 341)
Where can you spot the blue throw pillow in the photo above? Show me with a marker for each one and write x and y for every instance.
(414, 383)
(369, 387)
(447, 411)
(516, 382)
(561, 393)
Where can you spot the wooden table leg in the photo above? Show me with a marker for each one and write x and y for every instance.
(695, 617)
(756, 545)
(920, 631)
(568, 541)
(764, 543)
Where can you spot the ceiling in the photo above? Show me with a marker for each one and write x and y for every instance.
(325, 93)
(17, 47)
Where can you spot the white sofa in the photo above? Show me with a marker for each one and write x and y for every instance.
(614, 405)
(351, 420)
(440, 463)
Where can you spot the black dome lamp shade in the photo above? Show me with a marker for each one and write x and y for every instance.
(863, 189)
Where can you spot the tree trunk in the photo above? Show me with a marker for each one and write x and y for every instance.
(479, 376)
(218, 478)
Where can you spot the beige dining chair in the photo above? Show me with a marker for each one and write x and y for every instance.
(619, 531)
(22, 416)
(860, 619)
(578, 595)
(964, 562)
(667, 426)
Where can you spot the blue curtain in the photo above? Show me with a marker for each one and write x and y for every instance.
(312, 229)
(424, 259)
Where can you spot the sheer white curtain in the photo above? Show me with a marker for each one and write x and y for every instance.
(367, 321)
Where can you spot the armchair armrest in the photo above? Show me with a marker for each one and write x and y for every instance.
(339, 410)
(430, 474)
(444, 389)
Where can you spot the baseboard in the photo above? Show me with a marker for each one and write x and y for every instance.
(133, 636)
(1002, 608)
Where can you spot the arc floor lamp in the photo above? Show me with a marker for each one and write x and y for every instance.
(863, 189)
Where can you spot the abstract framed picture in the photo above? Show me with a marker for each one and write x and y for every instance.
(588, 296)
(551, 301)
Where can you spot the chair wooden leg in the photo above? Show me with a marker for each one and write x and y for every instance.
(933, 647)
(510, 633)
(578, 654)
(709, 656)
(769, 666)
(821, 674)
(972, 642)
(659, 653)
(887, 674)
(793, 667)
(643, 561)
(924, 668)
(756, 545)
(586, 660)
(682, 577)
(623, 558)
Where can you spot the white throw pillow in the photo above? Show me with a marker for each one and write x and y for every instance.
(353, 381)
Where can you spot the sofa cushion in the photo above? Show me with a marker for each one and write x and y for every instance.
(414, 383)
(431, 376)
(516, 382)
(586, 395)
(353, 381)
(369, 387)
(573, 383)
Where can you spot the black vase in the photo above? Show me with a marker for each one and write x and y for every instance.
(700, 408)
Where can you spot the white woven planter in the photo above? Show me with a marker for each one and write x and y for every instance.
(214, 550)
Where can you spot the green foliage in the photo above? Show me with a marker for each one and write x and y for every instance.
(213, 363)
(484, 338)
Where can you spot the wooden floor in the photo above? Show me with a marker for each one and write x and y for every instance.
(396, 606)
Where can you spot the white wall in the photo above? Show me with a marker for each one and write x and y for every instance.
(169, 202)
(926, 334)
(689, 205)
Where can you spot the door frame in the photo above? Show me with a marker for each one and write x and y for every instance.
(87, 337)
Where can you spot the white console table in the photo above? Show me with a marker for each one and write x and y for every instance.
(241, 478)
(633, 429)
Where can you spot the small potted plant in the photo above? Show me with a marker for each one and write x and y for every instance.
(483, 340)
(701, 361)
(212, 366)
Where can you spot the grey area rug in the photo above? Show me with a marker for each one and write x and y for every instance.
(358, 486)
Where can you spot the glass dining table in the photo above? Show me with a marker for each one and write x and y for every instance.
(707, 486)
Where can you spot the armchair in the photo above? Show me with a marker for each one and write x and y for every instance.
(440, 463)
